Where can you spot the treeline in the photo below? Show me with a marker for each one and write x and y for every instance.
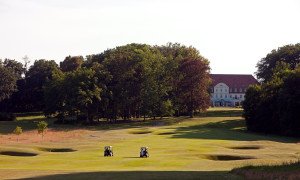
(131, 81)
(273, 107)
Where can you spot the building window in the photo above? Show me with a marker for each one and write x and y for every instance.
(221, 90)
(230, 96)
(225, 96)
(241, 96)
(235, 96)
(216, 90)
(221, 96)
(225, 90)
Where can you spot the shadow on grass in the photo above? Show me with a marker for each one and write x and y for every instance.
(226, 130)
(289, 170)
(7, 127)
(221, 113)
(145, 175)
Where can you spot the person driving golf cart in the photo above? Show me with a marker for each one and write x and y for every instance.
(144, 152)
(108, 151)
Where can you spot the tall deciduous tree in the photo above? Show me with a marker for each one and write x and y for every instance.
(193, 84)
(37, 76)
(16, 67)
(71, 63)
(8, 81)
(289, 54)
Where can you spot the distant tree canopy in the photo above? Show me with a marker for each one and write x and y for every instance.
(273, 106)
(71, 63)
(289, 54)
(135, 80)
(8, 81)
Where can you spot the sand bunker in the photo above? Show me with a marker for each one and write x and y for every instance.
(15, 153)
(227, 157)
(246, 147)
(56, 149)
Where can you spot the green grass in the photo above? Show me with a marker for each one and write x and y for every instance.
(180, 148)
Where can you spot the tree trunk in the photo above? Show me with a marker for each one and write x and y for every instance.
(191, 106)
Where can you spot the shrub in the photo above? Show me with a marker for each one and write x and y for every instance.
(18, 131)
(42, 126)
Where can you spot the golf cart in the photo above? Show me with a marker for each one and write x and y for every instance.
(108, 151)
(144, 152)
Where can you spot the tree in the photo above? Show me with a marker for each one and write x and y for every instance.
(125, 65)
(42, 127)
(83, 91)
(55, 95)
(193, 84)
(288, 104)
(76, 91)
(7, 82)
(18, 131)
(36, 78)
(155, 86)
(272, 107)
(15, 66)
(71, 63)
(174, 54)
(289, 54)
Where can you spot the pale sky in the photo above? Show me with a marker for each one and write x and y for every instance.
(233, 34)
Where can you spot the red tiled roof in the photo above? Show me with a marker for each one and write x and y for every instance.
(234, 80)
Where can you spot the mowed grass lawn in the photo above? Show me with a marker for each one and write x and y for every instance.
(208, 146)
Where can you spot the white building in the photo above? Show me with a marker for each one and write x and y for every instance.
(229, 89)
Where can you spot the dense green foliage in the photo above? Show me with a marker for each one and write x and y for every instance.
(71, 63)
(42, 127)
(8, 80)
(273, 106)
(289, 54)
(18, 131)
(135, 80)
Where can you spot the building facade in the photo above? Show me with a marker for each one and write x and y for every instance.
(229, 89)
